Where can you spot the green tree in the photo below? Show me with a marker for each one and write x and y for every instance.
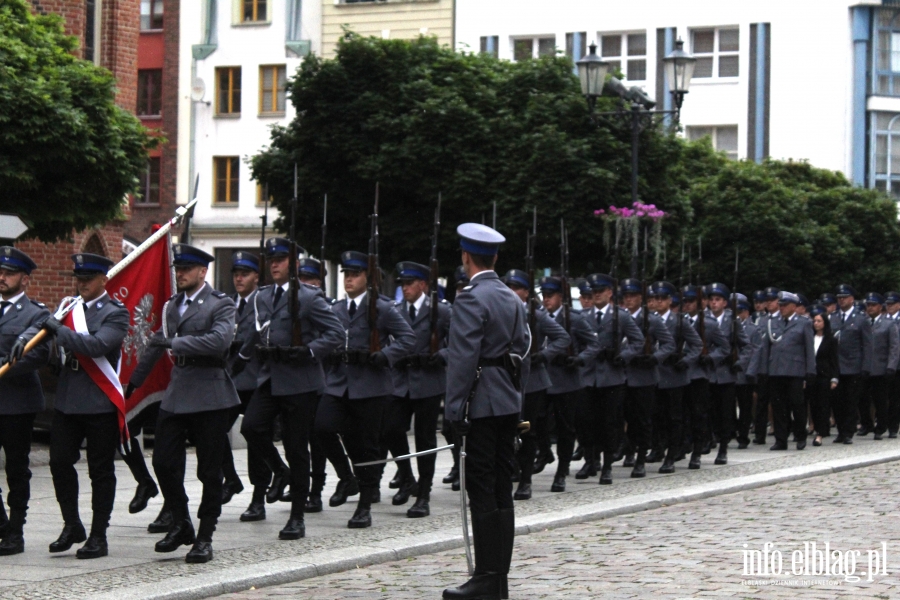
(421, 119)
(798, 228)
(68, 154)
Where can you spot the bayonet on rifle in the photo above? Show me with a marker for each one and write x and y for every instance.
(262, 237)
(324, 278)
(435, 341)
(373, 280)
(529, 266)
(293, 280)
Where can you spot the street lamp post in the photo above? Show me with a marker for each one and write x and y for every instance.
(592, 71)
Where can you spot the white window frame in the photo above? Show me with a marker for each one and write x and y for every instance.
(714, 138)
(535, 44)
(623, 56)
(716, 54)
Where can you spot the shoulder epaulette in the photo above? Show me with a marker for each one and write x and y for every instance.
(312, 287)
(116, 303)
(444, 301)
(332, 300)
(38, 304)
(219, 294)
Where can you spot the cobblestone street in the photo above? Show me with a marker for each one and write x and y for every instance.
(691, 550)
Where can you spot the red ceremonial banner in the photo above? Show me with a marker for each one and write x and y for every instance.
(143, 287)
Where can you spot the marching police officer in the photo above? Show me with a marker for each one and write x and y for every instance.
(566, 377)
(892, 303)
(83, 409)
(290, 378)
(358, 382)
(885, 356)
(607, 373)
(197, 331)
(668, 413)
(746, 378)
(643, 372)
(21, 396)
(722, 392)
(488, 340)
(790, 363)
(853, 330)
(245, 276)
(419, 383)
(761, 416)
(702, 371)
(548, 341)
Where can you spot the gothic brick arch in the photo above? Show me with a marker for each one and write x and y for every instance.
(94, 245)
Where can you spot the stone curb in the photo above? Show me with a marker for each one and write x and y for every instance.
(308, 565)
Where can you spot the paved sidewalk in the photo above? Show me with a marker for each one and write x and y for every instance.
(249, 554)
(694, 550)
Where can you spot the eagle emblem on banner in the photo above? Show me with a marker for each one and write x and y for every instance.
(140, 330)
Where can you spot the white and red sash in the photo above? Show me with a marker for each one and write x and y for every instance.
(99, 369)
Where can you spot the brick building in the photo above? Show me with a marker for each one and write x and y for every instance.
(109, 32)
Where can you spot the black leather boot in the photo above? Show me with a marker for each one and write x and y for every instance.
(486, 583)
(4, 520)
(452, 476)
(276, 489)
(345, 488)
(163, 521)
(230, 488)
(180, 534)
(71, 534)
(13, 540)
(146, 489)
(722, 456)
(257, 509)
(559, 483)
(408, 487)
(523, 491)
(397, 481)
(362, 518)
(202, 551)
(606, 472)
(95, 547)
(314, 500)
(640, 458)
(294, 530)
(420, 508)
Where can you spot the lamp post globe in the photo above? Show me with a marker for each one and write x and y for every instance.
(592, 72)
(679, 68)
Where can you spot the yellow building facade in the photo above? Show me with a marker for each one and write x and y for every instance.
(388, 19)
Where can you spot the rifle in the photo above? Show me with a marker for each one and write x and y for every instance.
(645, 313)
(373, 280)
(435, 342)
(293, 280)
(322, 247)
(701, 320)
(529, 267)
(494, 221)
(734, 312)
(262, 238)
(564, 279)
(615, 299)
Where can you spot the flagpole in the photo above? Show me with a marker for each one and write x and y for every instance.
(116, 269)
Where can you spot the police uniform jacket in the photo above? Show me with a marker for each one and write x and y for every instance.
(244, 330)
(789, 349)
(885, 346)
(745, 350)
(107, 321)
(397, 340)
(717, 348)
(550, 341)
(854, 338)
(20, 388)
(663, 345)
(585, 345)
(687, 343)
(321, 332)
(489, 321)
(205, 330)
(602, 373)
(420, 381)
(750, 364)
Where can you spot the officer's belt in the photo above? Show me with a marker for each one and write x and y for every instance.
(200, 361)
(497, 361)
(72, 363)
(282, 354)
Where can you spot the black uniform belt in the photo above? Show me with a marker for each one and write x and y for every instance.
(420, 361)
(200, 361)
(283, 354)
(497, 361)
(511, 363)
(72, 363)
(350, 357)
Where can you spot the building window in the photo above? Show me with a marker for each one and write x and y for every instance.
(716, 51)
(887, 54)
(490, 45)
(149, 103)
(724, 138)
(226, 171)
(272, 89)
(576, 45)
(90, 30)
(149, 183)
(253, 11)
(228, 86)
(151, 15)
(885, 163)
(626, 52)
(525, 48)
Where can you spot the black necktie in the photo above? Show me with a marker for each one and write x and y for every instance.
(412, 312)
(241, 306)
(352, 309)
(278, 292)
(599, 317)
(843, 317)
(786, 321)
(3, 306)
(188, 302)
